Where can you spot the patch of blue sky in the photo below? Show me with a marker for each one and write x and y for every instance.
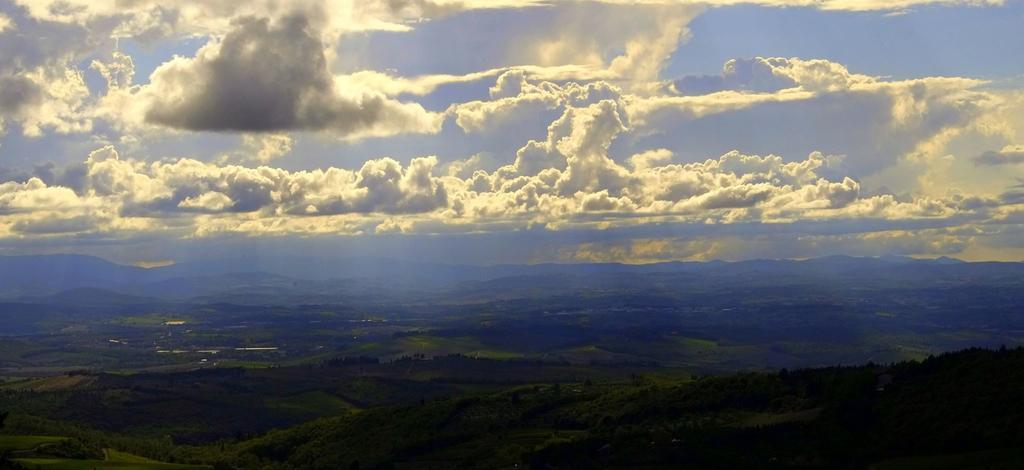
(925, 41)
(147, 57)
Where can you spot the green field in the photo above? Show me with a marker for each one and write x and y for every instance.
(431, 346)
(114, 459)
(151, 320)
(313, 403)
(9, 443)
(510, 445)
(124, 457)
(68, 464)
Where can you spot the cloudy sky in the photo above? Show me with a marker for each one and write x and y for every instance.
(512, 131)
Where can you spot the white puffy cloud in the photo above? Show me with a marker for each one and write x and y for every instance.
(40, 87)
(123, 199)
(270, 147)
(515, 95)
(259, 149)
(45, 99)
(774, 74)
(33, 208)
(569, 179)
(381, 185)
(785, 105)
(788, 105)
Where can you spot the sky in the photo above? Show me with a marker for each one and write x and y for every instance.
(512, 131)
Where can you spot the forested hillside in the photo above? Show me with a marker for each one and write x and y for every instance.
(960, 409)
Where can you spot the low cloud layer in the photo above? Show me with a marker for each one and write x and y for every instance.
(567, 181)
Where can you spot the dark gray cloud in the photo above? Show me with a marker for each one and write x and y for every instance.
(72, 176)
(63, 225)
(738, 74)
(1014, 194)
(258, 81)
(18, 93)
(267, 76)
(1006, 156)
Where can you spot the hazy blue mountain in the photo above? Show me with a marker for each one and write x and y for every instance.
(275, 276)
(34, 274)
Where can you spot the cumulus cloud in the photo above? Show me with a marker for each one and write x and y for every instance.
(773, 74)
(569, 180)
(40, 87)
(790, 104)
(34, 208)
(382, 185)
(259, 148)
(514, 94)
(269, 147)
(179, 197)
(270, 77)
(45, 99)
(585, 189)
(17, 93)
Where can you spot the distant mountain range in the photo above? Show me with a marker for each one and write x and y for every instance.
(51, 274)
